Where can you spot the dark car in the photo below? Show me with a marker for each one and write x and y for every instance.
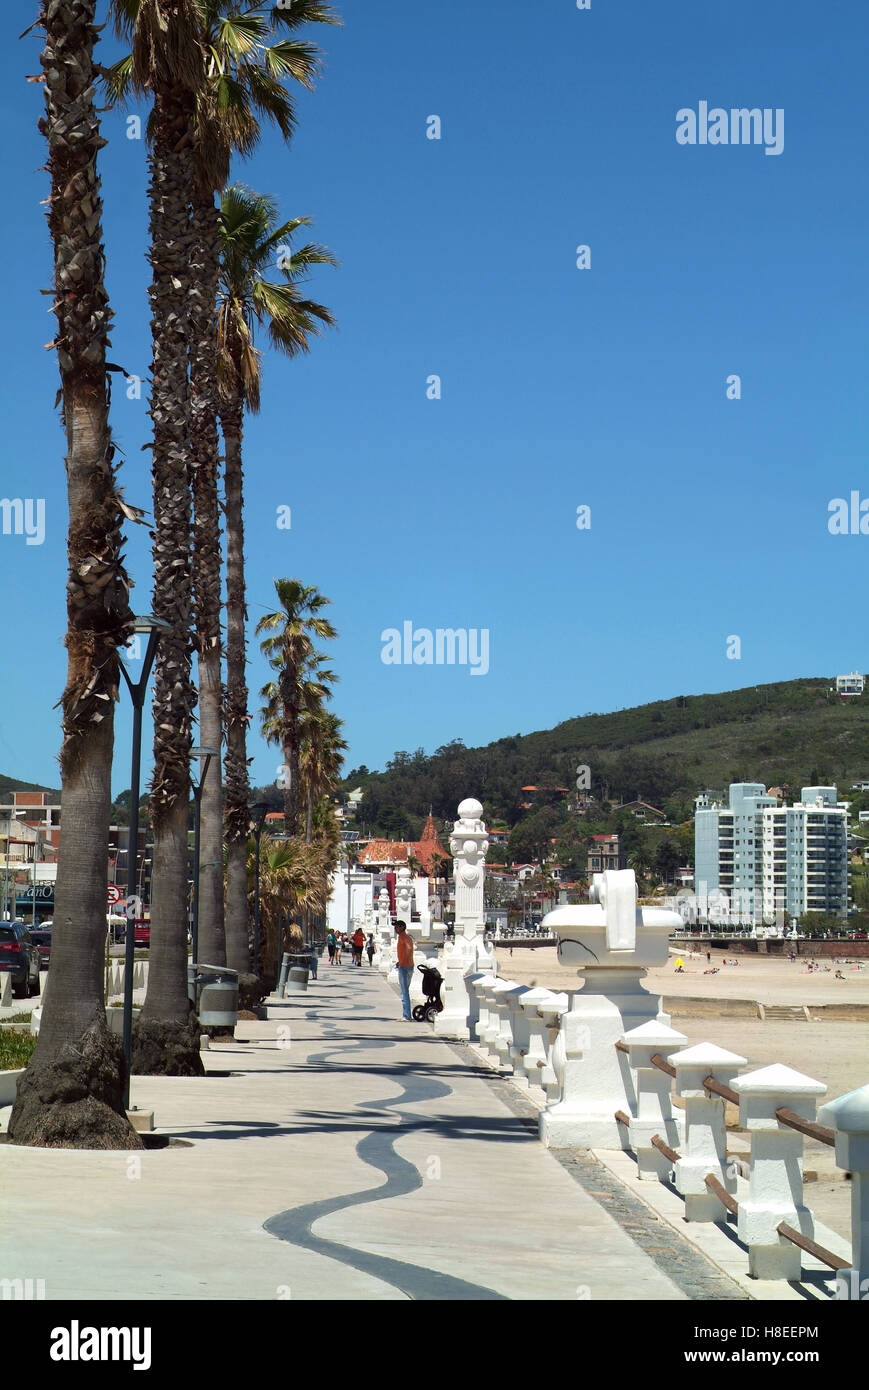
(19, 955)
(41, 938)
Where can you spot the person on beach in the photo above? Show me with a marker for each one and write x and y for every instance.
(404, 949)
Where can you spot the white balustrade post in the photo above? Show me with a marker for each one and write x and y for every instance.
(508, 1011)
(704, 1147)
(532, 1050)
(849, 1117)
(654, 1109)
(491, 1031)
(776, 1181)
(477, 986)
(552, 1074)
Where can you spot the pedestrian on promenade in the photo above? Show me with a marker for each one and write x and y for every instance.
(370, 948)
(338, 944)
(330, 947)
(358, 944)
(404, 948)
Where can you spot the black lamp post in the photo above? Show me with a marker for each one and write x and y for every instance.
(259, 811)
(207, 754)
(153, 627)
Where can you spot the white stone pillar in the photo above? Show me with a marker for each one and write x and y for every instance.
(849, 1117)
(552, 1011)
(468, 953)
(654, 1109)
(6, 989)
(704, 1147)
(534, 1047)
(507, 1005)
(612, 943)
(776, 1181)
(480, 1014)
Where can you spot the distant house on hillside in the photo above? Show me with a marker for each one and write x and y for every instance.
(606, 854)
(641, 810)
(850, 685)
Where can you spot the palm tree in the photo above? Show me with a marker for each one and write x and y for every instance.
(291, 879)
(289, 645)
(244, 79)
(214, 67)
(72, 1092)
(167, 62)
(250, 239)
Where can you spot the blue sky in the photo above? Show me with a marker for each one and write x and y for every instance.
(560, 387)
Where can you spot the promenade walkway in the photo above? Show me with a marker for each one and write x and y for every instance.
(335, 1151)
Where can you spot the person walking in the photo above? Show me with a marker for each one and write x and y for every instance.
(370, 948)
(358, 944)
(330, 947)
(404, 948)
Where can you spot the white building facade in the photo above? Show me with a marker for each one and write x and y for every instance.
(771, 860)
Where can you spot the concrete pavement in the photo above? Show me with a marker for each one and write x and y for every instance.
(346, 1155)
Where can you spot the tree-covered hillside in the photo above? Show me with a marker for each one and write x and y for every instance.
(791, 733)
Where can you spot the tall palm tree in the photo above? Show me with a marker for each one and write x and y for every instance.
(288, 642)
(72, 1092)
(167, 62)
(244, 80)
(238, 75)
(249, 299)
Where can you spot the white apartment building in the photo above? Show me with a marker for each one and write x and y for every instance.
(772, 859)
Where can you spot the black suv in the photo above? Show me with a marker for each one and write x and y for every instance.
(19, 954)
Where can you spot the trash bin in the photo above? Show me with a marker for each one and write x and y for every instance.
(297, 981)
(216, 995)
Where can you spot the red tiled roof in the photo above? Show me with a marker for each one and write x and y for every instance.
(399, 851)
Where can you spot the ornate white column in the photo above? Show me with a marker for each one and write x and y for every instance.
(468, 953)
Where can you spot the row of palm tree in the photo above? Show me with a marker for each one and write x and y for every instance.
(212, 71)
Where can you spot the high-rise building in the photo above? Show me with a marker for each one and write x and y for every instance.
(772, 859)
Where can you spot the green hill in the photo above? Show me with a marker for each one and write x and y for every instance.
(792, 733)
(12, 784)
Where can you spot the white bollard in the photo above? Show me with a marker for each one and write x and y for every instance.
(6, 989)
(654, 1109)
(532, 1048)
(776, 1182)
(849, 1117)
(508, 1012)
(704, 1148)
(481, 988)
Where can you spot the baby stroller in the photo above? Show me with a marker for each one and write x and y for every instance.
(432, 979)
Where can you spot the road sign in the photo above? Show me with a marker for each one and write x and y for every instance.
(114, 893)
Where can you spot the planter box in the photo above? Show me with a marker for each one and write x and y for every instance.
(9, 1085)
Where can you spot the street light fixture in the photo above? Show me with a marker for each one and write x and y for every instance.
(259, 811)
(207, 754)
(154, 628)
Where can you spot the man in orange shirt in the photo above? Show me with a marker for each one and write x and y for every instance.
(404, 949)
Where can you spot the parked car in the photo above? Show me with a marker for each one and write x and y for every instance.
(19, 956)
(41, 938)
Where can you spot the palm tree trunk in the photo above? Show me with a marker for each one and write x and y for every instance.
(236, 813)
(163, 1040)
(206, 567)
(72, 1093)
